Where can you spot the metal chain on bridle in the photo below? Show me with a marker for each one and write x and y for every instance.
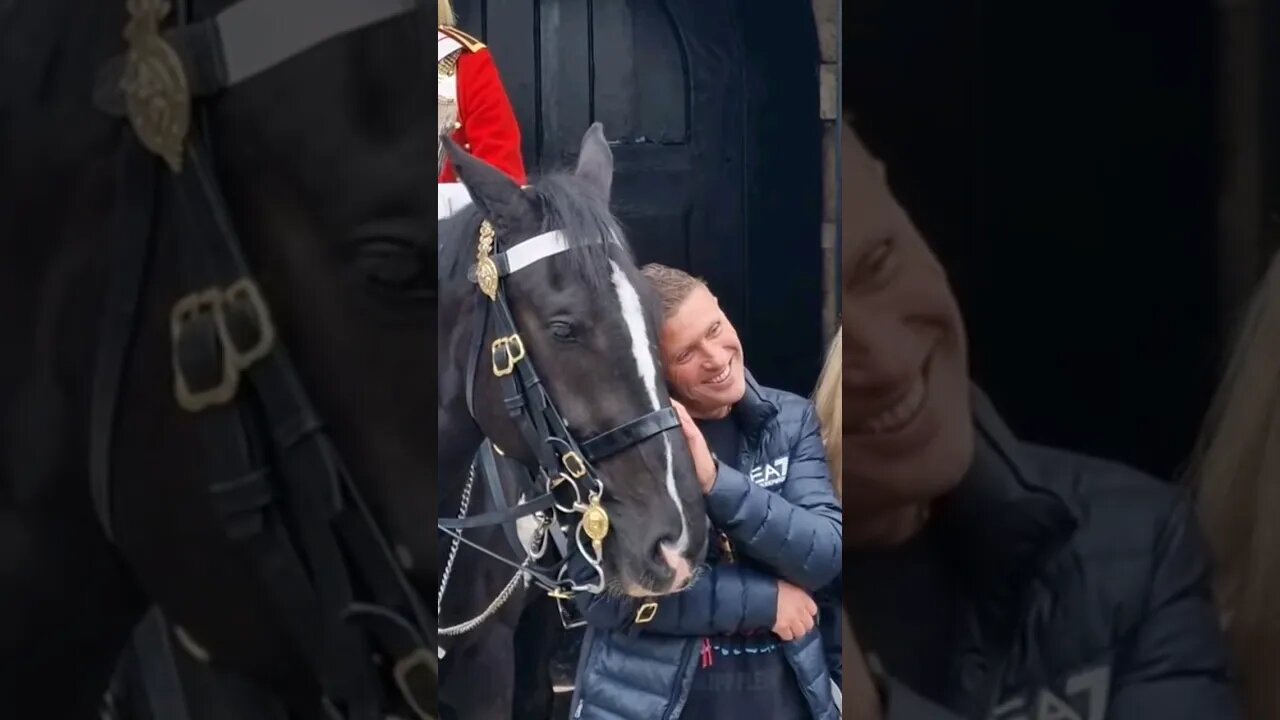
(539, 544)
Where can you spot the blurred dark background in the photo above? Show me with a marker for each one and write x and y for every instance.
(1100, 178)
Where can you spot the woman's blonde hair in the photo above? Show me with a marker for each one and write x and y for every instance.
(1236, 473)
(829, 400)
(446, 14)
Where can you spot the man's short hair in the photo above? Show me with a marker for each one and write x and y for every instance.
(673, 286)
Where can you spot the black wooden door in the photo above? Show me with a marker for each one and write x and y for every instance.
(1063, 170)
(699, 99)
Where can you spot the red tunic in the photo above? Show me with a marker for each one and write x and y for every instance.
(488, 123)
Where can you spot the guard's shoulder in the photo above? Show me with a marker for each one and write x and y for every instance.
(468, 42)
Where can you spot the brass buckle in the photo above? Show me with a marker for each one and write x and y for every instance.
(419, 659)
(560, 594)
(574, 464)
(646, 613)
(187, 308)
(248, 291)
(514, 348)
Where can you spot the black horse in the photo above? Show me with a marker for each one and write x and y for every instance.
(139, 348)
(575, 307)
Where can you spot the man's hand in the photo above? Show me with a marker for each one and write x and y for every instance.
(702, 462)
(796, 612)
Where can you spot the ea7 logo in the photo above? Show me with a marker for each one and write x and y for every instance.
(771, 473)
(1085, 695)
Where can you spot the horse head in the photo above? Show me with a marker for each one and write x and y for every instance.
(582, 315)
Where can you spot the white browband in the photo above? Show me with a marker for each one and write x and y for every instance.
(453, 197)
(536, 249)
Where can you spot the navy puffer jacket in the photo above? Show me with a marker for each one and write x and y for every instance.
(1090, 594)
(776, 504)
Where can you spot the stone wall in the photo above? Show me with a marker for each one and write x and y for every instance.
(827, 13)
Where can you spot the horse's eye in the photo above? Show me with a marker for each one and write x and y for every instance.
(394, 265)
(563, 331)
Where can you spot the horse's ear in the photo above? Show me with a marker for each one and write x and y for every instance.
(498, 196)
(595, 159)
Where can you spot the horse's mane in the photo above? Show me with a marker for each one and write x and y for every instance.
(568, 204)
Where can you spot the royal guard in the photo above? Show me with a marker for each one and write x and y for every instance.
(473, 107)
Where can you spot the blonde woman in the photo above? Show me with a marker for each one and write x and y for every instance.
(829, 401)
(1236, 470)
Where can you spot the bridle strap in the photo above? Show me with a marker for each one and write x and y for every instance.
(310, 603)
(323, 500)
(630, 434)
(526, 487)
(503, 516)
(135, 205)
(478, 331)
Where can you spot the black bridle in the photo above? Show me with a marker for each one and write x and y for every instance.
(571, 489)
(277, 483)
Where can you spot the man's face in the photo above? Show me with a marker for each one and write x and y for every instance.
(703, 357)
(908, 434)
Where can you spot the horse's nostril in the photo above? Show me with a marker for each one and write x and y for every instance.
(674, 559)
(663, 548)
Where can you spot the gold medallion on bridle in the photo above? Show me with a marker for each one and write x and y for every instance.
(487, 277)
(595, 523)
(486, 268)
(157, 96)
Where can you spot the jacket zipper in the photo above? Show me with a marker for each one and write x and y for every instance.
(677, 705)
(995, 681)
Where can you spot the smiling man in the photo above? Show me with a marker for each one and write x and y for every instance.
(986, 577)
(741, 642)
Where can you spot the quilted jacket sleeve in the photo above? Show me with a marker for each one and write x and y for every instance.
(830, 617)
(725, 599)
(798, 531)
(1175, 664)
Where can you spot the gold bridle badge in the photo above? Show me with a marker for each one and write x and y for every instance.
(486, 268)
(595, 523)
(157, 96)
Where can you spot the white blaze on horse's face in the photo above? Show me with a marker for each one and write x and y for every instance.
(641, 344)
